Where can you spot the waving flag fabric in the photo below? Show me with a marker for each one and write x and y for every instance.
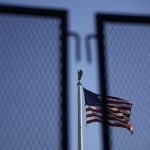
(118, 110)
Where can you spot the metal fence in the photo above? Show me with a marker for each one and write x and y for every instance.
(123, 42)
(33, 66)
(33, 77)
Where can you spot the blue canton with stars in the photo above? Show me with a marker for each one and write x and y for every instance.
(91, 98)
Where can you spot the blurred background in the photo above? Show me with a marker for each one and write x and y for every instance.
(43, 44)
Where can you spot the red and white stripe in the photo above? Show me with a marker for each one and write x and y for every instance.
(118, 112)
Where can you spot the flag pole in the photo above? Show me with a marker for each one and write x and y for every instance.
(80, 134)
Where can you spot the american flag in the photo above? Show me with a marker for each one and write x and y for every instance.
(118, 110)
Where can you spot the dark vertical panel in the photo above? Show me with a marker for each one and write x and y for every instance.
(103, 81)
(64, 83)
(124, 41)
(33, 78)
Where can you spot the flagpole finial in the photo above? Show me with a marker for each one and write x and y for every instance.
(80, 73)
